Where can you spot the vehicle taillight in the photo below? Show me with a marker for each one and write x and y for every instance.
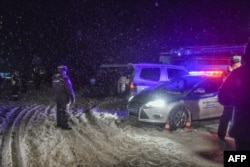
(131, 86)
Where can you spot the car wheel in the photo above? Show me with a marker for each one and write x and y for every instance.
(178, 118)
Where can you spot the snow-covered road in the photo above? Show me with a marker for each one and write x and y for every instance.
(30, 138)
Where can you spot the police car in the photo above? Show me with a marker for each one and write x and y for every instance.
(190, 97)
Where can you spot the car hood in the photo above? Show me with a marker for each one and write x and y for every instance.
(150, 95)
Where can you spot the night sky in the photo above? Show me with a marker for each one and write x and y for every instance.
(116, 31)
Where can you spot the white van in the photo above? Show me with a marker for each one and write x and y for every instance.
(146, 75)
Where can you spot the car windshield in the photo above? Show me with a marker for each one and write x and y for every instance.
(181, 84)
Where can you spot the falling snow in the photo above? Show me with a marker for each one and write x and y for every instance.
(102, 136)
(84, 34)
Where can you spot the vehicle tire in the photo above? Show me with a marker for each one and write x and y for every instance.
(178, 118)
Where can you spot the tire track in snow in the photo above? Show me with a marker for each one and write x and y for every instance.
(12, 152)
(40, 139)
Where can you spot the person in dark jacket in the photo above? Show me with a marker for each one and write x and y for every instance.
(36, 77)
(63, 95)
(235, 62)
(15, 83)
(235, 92)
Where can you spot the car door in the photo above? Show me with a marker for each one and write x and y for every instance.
(207, 101)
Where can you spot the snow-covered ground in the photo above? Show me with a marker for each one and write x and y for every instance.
(29, 137)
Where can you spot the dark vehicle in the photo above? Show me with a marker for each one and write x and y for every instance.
(107, 80)
(192, 97)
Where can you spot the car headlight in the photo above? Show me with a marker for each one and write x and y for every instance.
(156, 103)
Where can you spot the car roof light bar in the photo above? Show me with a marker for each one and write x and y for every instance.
(215, 73)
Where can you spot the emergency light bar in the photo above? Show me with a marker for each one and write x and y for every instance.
(216, 73)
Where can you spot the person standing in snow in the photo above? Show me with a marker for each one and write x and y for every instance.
(63, 95)
(226, 116)
(235, 92)
(15, 83)
(36, 77)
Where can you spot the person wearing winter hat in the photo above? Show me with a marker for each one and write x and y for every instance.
(234, 63)
(63, 95)
(235, 92)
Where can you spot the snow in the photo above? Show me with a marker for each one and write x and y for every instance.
(102, 136)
